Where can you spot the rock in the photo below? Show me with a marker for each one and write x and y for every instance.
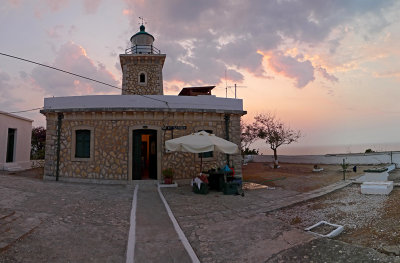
(394, 250)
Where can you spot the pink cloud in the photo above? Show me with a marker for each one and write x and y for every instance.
(56, 5)
(127, 12)
(91, 6)
(73, 58)
(54, 32)
(15, 3)
(301, 71)
(53, 6)
(326, 75)
(72, 29)
(387, 74)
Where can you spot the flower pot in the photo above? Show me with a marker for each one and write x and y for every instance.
(167, 180)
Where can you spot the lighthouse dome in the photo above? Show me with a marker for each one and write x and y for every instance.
(142, 42)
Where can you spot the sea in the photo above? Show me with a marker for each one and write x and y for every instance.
(294, 149)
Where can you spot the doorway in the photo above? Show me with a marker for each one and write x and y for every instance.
(144, 155)
(10, 145)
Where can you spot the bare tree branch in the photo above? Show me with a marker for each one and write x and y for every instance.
(274, 132)
(247, 136)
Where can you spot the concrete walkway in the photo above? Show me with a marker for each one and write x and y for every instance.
(44, 221)
(226, 228)
(156, 239)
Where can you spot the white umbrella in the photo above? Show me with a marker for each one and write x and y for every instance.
(201, 142)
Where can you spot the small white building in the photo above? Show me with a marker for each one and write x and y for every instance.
(15, 142)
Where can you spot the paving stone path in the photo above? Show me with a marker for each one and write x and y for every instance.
(156, 238)
(60, 222)
(226, 228)
(43, 221)
(15, 226)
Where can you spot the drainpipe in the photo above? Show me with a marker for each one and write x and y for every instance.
(227, 118)
(60, 117)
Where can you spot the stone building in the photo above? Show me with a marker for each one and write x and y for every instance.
(120, 138)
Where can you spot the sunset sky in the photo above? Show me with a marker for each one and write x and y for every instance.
(329, 68)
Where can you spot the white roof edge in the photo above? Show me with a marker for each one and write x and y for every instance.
(143, 102)
(15, 116)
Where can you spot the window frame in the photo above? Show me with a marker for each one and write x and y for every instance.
(73, 148)
(145, 78)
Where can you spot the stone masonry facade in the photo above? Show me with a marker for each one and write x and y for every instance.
(133, 65)
(111, 142)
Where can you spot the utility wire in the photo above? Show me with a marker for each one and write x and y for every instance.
(26, 110)
(43, 65)
(77, 75)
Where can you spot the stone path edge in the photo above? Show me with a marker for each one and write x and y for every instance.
(178, 230)
(130, 250)
(303, 197)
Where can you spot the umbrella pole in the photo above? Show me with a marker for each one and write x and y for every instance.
(201, 163)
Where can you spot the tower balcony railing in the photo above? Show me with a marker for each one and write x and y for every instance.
(142, 49)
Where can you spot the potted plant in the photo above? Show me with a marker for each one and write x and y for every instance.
(168, 175)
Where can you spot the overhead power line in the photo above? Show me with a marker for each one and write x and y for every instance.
(64, 71)
(26, 110)
(74, 74)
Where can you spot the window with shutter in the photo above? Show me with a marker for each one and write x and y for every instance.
(82, 149)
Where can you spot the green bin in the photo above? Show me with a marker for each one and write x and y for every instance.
(231, 188)
(203, 189)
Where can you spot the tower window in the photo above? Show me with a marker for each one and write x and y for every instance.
(142, 78)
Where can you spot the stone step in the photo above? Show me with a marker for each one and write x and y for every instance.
(13, 169)
(16, 226)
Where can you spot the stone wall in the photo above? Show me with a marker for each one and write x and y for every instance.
(133, 65)
(37, 163)
(111, 142)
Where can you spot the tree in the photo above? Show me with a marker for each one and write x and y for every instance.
(38, 143)
(247, 136)
(274, 132)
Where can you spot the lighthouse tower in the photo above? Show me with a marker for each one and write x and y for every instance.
(142, 66)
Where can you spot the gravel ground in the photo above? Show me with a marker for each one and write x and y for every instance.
(330, 251)
(347, 207)
(369, 220)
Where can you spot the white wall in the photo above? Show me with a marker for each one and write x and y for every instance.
(368, 158)
(23, 140)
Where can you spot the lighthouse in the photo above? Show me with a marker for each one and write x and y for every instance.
(142, 66)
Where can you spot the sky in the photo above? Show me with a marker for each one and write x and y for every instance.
(328, 68)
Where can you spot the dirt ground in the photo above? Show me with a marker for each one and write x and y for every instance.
(297, 177)
(369, 220)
